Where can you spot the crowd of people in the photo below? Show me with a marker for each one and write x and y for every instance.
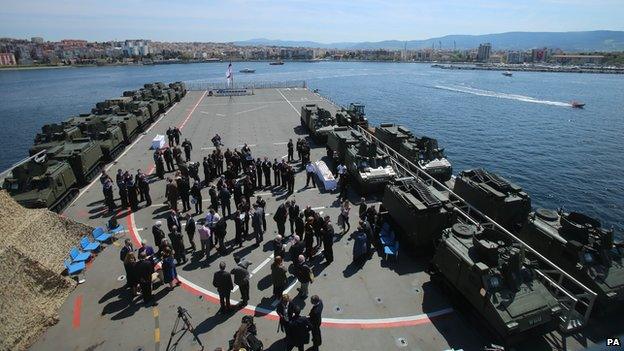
(234, 175)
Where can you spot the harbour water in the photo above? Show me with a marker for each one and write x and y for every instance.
(521, 127)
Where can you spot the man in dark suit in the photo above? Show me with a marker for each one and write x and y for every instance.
(241, 278)
(256, 223)
(190, 230)
(315, 321)
(328, 240)
(173, 220)
(158, 233)
(172, 194)
(144, 269)
(280, 217)
(298, 330)
(222, 280)
(293, 213)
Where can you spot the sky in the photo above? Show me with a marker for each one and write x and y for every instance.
(326, 21)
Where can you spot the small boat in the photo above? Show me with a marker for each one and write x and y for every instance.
(276, 63)
(577, 104)
(247, 70)
(507, 74)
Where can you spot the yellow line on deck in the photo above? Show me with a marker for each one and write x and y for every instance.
(156, 312)
(157, 335)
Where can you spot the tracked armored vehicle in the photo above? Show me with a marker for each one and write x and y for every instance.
(341, 138)
(318, 121)
(52, 135)
(369, 168)
(417, 210)
(495, 196)
(476, 266)
(577, 244)
(41, 183)
(422, 151)
(108, 136)
(83, 155)
(352, 116)
(128, 123)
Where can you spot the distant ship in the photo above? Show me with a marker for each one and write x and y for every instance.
(276, 63)
(577, 104)
(247, 70)
(507, 74)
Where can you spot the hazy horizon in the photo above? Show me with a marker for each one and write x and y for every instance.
(322, 21)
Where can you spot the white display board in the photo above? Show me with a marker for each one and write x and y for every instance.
(158, 142)
(325, 175)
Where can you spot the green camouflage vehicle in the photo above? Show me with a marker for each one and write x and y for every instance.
(129, 125)
(494, 280)
(179, 87)
(341, 138)
(318, 121)
(352, 116)
(418, 211)
(422, 151)
(107, 135)
(52, 135)
(368, 167)
(83, 155)
(42, 183)
(495, 196)
(578, 245)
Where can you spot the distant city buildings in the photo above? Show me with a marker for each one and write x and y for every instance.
(7, 59)
(37, 51)
(136, 48)
(483, 54)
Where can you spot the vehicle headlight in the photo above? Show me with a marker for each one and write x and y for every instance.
(512, 325)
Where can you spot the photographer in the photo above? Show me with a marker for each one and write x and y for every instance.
(245, 336)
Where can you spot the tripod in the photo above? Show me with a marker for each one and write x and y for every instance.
(187, 326)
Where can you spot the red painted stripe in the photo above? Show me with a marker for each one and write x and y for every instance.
(77, 307)
(329, 324)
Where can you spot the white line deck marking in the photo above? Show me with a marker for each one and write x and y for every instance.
(257, 103)
(281, 143)
(262, 264)
(251, 110)
(291, 105)
(318, 208)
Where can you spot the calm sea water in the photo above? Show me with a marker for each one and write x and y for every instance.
(520, 127)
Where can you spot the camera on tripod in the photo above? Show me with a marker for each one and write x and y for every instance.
(183, 315)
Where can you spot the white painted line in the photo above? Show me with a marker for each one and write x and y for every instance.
(281, 143)
(318, 208)
(291, 105)
(205, 112)
(241, 145)
(208, 148)
(262, 264)
(220, 114)
(251, 110)
(285, 156)
(192, 110)
(258, 103)
(291, 286)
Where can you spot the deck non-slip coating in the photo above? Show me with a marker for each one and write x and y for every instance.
(382, 305)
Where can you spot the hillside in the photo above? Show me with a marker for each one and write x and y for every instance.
(601, 40)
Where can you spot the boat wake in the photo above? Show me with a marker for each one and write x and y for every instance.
(489, 93)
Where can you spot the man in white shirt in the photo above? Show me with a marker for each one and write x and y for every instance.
(342, 169)
(211, 220)
(310, 174)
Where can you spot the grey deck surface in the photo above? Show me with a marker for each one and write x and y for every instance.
(378, 290)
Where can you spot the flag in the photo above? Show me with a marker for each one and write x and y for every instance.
(228, 73)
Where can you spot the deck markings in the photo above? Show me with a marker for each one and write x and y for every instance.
(257, 269)
(257, 103)
(291, 105)
(156, 313)
(77, 308)
(252, 110)
(281, 143)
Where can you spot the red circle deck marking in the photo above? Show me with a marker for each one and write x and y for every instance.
(356, 323)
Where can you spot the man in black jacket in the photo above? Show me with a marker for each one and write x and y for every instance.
(222, 280)
(158, 233)
(241, 278)
(187, 146)
(298, 330)
(328, 240)
(266, 169)
(173, 220)
(144, 269)
(197, 197)
(280, 217)
(224, 198)
(293, 213)
(190, 230)
(315, 321)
